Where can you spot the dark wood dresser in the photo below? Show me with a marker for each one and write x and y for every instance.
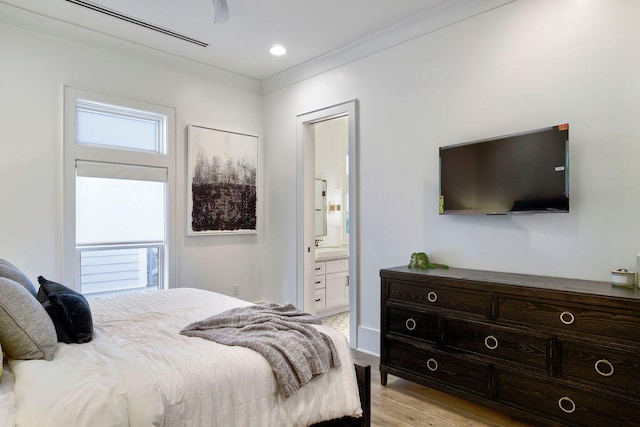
(547, 350)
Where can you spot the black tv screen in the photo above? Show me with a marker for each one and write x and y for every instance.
(524, 172)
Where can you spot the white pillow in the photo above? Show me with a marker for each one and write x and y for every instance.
(26, 330)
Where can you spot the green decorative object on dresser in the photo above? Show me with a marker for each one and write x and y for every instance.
(421, 260)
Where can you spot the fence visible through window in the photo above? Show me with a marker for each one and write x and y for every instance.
(120, 269)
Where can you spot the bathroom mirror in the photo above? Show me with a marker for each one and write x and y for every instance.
(321, 207)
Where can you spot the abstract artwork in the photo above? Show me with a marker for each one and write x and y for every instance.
(222, 181)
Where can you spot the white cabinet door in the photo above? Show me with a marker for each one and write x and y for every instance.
(336, 289)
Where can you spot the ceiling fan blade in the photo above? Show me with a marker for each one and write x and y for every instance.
(220, 11)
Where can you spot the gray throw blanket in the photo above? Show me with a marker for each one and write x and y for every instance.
(284, 335)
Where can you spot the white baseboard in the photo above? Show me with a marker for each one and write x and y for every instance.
(368, 340)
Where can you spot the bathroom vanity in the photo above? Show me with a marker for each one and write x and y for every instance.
(331, 285)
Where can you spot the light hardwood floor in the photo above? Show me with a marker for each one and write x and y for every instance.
(403, 403)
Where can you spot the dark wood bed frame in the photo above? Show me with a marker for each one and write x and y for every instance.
(363, 375)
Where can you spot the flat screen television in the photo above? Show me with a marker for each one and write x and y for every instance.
(526, 172)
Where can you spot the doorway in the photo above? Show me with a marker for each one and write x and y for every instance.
(306, 235)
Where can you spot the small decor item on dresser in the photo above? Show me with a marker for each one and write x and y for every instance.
(623, 277)
(421, 260)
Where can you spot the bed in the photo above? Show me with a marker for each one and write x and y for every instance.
(139, 371)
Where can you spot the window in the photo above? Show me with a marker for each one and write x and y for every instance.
(119, 127)
(118, 193)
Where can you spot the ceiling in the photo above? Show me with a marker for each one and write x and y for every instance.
(314, 32)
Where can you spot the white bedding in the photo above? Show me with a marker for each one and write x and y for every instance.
(7, 405)
(139, 371)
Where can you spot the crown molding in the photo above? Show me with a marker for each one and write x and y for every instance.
(441, 16)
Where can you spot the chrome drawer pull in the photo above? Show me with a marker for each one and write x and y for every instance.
(410, 324)
(491, 342)
(432, 365)
(432, 296)
(609, 369)
(567, 317)
(570, 406)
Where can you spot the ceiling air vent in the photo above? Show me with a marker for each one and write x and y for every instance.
(118, 15)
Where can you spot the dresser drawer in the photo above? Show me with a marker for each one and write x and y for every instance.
(435, 296)
(572, 406)
(319, 282)
(337, 266)
(413, 324)
(319, 268)
(601, 364)
(524, 347)
(439, 366)
(570, 317)
(319, 299)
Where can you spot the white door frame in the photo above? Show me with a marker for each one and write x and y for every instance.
(304, 206)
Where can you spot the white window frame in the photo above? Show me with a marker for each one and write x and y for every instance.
(74, 152)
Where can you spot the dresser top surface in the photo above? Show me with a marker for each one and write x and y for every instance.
(520, 280)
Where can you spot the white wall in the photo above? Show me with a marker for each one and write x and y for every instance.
(331, 142)
(523, 66)
(33, 70)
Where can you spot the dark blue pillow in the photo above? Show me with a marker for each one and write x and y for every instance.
(69, 311)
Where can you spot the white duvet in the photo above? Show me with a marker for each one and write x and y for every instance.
(139, 371)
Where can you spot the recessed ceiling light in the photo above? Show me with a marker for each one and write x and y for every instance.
(277, 50)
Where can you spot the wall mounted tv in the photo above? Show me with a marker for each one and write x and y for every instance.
(521, 173)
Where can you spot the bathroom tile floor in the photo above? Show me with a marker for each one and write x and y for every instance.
(338, 321)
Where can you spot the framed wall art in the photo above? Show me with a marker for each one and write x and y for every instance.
(222, 181)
